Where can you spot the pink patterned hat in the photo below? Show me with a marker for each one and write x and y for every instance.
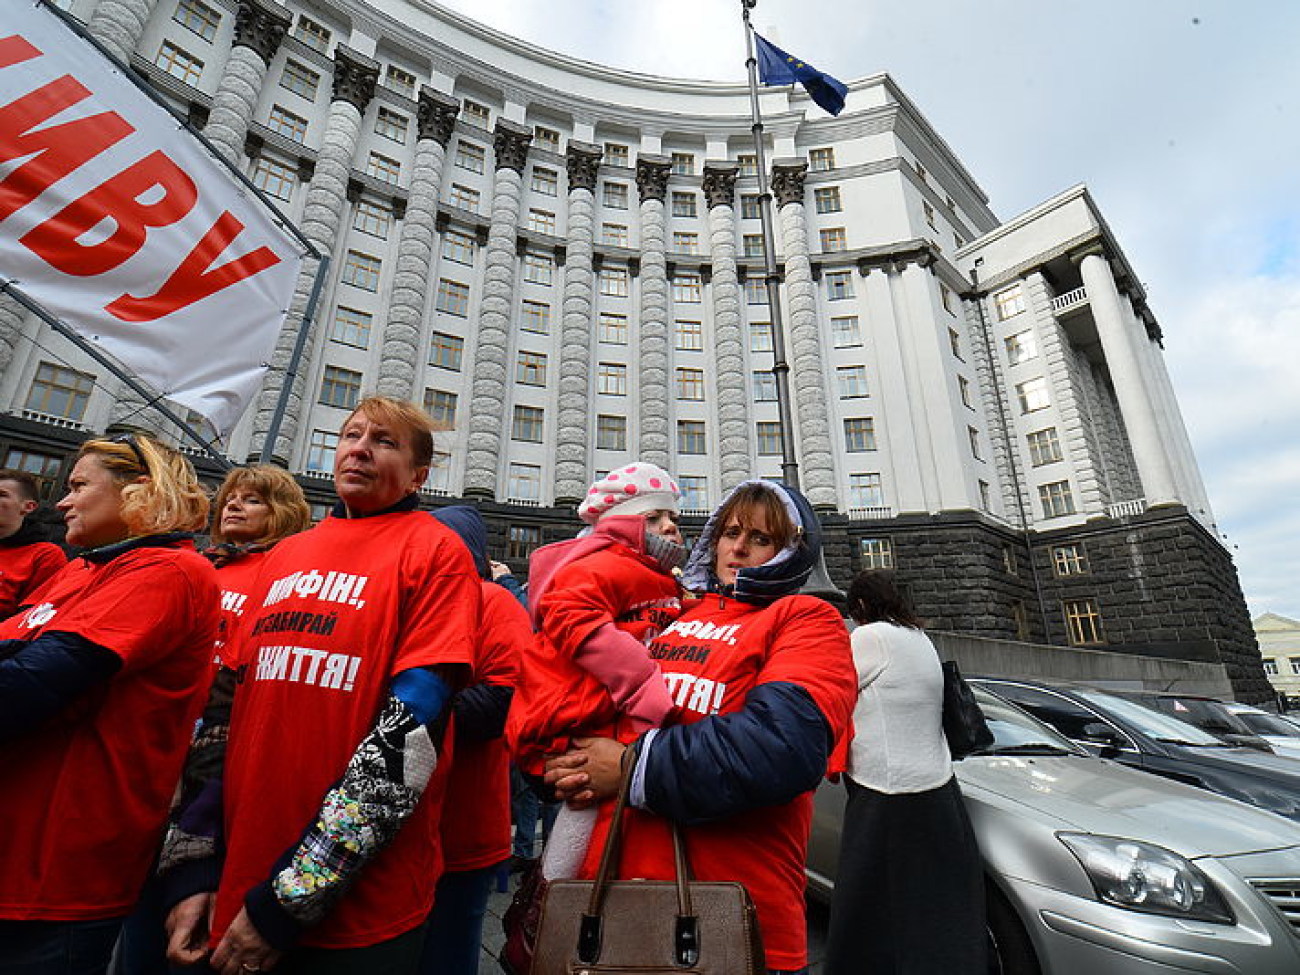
(631, 490)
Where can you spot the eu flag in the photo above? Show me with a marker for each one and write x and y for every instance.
(775, 67)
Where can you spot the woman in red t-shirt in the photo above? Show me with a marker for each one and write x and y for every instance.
(100, 682)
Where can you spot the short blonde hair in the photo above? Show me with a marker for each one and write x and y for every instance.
(290, 512)
(169, 499)
(401, 415)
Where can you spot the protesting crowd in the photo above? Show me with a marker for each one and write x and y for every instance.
(295, 750)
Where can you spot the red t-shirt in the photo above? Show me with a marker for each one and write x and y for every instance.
(335, 614)
(85, 795)
(23, 569)
(712, 657)
(237, 579)
(476, 825)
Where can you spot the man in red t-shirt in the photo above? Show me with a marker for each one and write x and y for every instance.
(354, 637)
(26, 558)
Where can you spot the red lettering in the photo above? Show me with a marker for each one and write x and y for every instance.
(16, 49)
(196, 278)
(117, 200)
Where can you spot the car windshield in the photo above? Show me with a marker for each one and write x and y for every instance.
(1150, 722)
(1207, 715)
(1262, 723)
(1016, 732)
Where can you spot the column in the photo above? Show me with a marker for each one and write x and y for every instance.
(573, 446)
(12, 316)
(260, 26)
(488, 390)
(655, 413)
(807, 374)
(435, 119)
(118, 25)
(728, 325)
(1135, 399)
(354, 84)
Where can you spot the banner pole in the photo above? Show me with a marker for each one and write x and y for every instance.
(295, 361)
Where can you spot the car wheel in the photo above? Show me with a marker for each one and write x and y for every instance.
(1010, 951)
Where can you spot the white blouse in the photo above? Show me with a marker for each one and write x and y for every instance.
(898, 743)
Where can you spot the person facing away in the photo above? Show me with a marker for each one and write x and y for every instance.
(27, 558)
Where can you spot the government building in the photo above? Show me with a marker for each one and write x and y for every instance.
(565, 264)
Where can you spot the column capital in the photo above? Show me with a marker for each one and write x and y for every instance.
(261, 26)
(435, 115)
(787, 180)
(510, 141)
(582, 160)
(355, 77)
(720, 182)
(652, 176)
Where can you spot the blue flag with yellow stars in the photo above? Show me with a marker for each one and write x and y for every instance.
(775, 67)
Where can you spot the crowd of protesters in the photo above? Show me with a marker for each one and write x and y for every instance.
(300, 753)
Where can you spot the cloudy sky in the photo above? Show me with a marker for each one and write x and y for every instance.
(1182, 117)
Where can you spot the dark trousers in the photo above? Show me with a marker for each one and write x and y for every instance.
(455, 932)
(396, 956)
(57, 947)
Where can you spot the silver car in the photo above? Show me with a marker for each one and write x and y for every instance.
(1098, 869)
(1282, 735)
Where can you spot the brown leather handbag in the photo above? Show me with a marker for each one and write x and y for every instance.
(646, 927)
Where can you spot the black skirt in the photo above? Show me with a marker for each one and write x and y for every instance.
(909, 890)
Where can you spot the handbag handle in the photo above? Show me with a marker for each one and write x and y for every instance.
(686, 941)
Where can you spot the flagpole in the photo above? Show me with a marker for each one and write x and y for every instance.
(772, 278)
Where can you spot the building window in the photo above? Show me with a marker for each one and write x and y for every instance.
(372, 218)
(684, 205)
(834, 239)
(690, 436)
(61, 392)
(287, 124)
(399, 80)
(361, 271)
(45, 468)
(764, 387)
(616, 154)
(752, 245)
(852, 381)
(1033, 395)
(683, 163)
(546, 181)
(320, 450)
(929, 214)
(963, 388)
(453, 297)
(463, 197)
(391, 126)
(299, 79)
(1009, 302)
(383, 167)
(1044, 447)
(470, 157)
(687, 287)
(198, 17)
(446, 351)
(748, 163)
(845, 332)
(315, 36)
(695, 492)
(876, 553)
(274, 178)
(749, 206)
(611, 378)
(866, 491)
(839, 285)
(527, 424)
(614, 282)
(535, 316)
(973, 436)
(690, 384)
(1069, 560)
(769, 439)
(820, 160)
(538, 269)
(826, 199)
(1295, 664)
(686, 242)
(945, 297)
(755, 291)
(612, 328)
(1056, 499)
(611, 432)
(1083, 622)
(340, 387)
(458, 247)
(441, 407)
(179, 63)
(690, 336)
(954, 343)
(476, 114)
(986, 497)
(546, 138)
(439, 479)
(525, 483)
(760, 337)
(352, 327)
(1270, 667)
(1021, 347)
(524, 538)
(614, 196)
(614, 234)
(530, 369)
(859, 434)
(541, 221)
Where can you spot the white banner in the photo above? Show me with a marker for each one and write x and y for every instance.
(119, 222)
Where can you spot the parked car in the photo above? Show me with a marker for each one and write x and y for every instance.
(1092, 867)
(1282, 735)
(1205, 712)
(1132, 733)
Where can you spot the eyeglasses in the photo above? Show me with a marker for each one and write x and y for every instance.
(130, 441)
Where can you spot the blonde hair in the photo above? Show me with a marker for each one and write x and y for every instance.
(404, 416)
(290, 513)
(169, 499)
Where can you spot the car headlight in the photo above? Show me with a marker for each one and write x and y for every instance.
(1145, 877)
